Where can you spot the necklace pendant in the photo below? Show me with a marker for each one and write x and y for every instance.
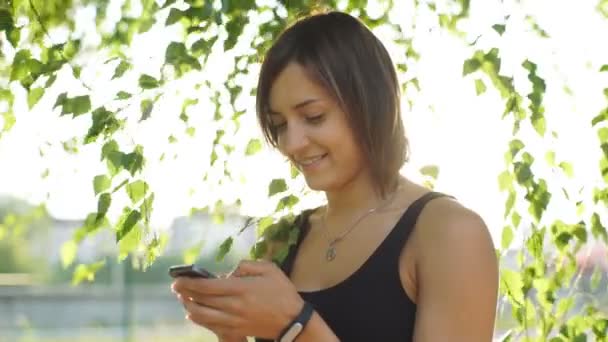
(330, 255)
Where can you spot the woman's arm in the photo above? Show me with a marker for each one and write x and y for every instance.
(457, 276)
(317, 330)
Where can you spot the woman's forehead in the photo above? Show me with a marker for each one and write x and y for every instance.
(293, 88)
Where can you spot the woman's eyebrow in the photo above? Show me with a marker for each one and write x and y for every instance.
(297, 106)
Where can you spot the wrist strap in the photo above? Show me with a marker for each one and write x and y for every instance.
(288, 334)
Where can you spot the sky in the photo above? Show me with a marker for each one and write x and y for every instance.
(449, 125)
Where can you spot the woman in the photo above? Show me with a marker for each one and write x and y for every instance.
(384, 259)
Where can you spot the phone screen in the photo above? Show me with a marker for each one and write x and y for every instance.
(191, 271)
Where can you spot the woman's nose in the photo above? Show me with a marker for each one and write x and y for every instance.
(294, 140)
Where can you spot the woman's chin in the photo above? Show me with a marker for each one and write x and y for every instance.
(316, 184)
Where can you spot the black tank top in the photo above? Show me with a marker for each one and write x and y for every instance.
(371, 304)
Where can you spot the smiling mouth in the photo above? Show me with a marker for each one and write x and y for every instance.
(306, 163)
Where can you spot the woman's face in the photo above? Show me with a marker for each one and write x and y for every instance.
(313, 131)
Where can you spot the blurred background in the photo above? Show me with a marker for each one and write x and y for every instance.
(129, 143)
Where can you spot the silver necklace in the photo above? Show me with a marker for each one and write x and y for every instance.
(330, 253)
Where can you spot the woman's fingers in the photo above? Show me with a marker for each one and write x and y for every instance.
(253, 268)
(221, 286)
(216, 320)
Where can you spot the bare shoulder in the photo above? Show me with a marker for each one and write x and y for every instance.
(447, 225)
(456, 274)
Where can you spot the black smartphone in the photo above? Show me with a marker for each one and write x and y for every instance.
(191, 271)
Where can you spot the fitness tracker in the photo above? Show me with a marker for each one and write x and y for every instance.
(296, 326)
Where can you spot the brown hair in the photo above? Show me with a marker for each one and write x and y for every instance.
(343, 55)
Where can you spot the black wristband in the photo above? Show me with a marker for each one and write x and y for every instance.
(296, 326)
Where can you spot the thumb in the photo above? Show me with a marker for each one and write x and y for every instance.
(252, 268)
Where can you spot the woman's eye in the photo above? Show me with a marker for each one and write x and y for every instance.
(315, 119)
(279, 126)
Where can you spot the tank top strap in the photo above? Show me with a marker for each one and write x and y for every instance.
(401, 232)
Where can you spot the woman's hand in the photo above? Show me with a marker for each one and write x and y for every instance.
(256, 300)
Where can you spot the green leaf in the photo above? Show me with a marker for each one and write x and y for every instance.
(253, 146)
(77, 106)
(174, 16)
(515, 219)
(597, 229)
(539, 199)
(523, 173)
(86, 272)
(602, 134)
(14, 36)
(567, 168)
(76, 70)
(224, 249)
(470, 66)
(604, 68)
(20, 67)
(264, 223)
(505, 181)
(177, 55)
(191, 131)
(134, 161)
(550, 158)
(123, 95)
(430, 171)
(6, 20)
(34, 96)
(202, 47)
(500, 28)
(68, 253)
(515, 146)
(512, 284)
(148, 82)
(103, 204)
(603, 116)
(70, 49)
(258, 250)
(276, 186)
(294, 172)
(539, 124)
(130, 242)
(101, 183)
(192, 253)
(509, 203)
(146, 208)
(137, 190)
(131, 220)
(600, 327)
(146, 107)
(50, 81)
(60, 100)
(213, 157)
(507, 237)
(92, 223)
(234, 27)
(104, 122)
(564, 305)
(287, 202)
(280, 255)
(120, 70)
(9, 121)
(562, 240)
(480, 87)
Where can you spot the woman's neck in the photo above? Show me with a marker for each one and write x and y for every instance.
(355, 197)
